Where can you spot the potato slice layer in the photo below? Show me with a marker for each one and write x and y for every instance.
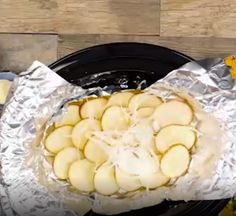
(126, 181)
(120, 145)
(143, 100)
(59, 139)
(115, 118)
(173, 112)
(93, 108)
(82, 131)
(94, 152)
(63, 161)
(175, 161)
(81, 175)
(175, 134)
(120, 99)
(105, 181)
(71, 117)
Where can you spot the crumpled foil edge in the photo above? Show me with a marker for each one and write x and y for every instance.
(30, 108)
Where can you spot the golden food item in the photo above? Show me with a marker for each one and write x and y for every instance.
(231, 62)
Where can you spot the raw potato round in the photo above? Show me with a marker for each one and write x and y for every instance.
(93, 108)
(155, 180)
(94, 152)
(175, 134)
(82, 131)
(115, 118)
(120, 99)
(126, 181)
(63, 161)
(105, 182)
(144, 112)
(5, 86)
(173, 112)
(59, 139)
(81, 175)
(175, 161)
(71, 117)
(143, 100)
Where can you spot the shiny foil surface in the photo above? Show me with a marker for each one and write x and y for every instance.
(27, 183)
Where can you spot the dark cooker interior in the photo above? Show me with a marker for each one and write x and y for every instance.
(123, 66)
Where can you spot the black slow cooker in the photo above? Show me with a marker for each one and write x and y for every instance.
(123, 66)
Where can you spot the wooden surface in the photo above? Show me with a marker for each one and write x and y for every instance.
(17, 52)
(198, 18)
(80, 16)
(199, 28)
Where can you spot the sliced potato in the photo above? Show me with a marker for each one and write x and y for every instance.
(71, 117)
(154, 180)
(173, 112)
(143, 100)
(94, 152)
(144, 112)
(175, 134)
(81, 175)
(93, 108)
(63, 161)
(115, 118)
(59, 139)
(120, 99)
(175, 161)
(126, 181)
(82, 131)
(5, 86)
(105, 182)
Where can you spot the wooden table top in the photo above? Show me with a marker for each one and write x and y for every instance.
(48, 29)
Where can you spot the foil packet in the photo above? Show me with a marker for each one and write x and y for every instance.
(27, 185)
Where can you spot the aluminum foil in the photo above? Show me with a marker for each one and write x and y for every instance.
(28, 186)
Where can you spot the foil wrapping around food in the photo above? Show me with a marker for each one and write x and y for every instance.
(28, 185)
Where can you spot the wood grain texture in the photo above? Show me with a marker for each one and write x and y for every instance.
(80, 16)
(195, 47)
(18, 51)
(198, 18)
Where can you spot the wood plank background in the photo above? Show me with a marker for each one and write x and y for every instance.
(49, 29)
